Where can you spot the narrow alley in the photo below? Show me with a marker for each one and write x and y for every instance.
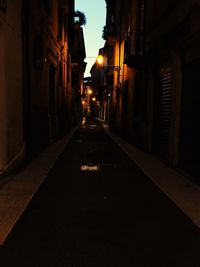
(99, 133)
(96, 208)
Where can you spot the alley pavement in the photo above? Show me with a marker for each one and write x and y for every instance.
(86, 203)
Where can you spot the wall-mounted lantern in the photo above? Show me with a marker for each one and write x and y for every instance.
(100, 60)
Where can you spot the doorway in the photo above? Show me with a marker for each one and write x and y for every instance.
(190, 114)
(53, 127)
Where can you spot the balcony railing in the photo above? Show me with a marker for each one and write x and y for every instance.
(133, 49)
(108, 31)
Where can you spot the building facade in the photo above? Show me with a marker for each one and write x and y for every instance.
(47, 70)
(99, 87)
(123, 34)
(78, 69)
(12, 145)
(172, 41)
(155, 96)
(36, 82)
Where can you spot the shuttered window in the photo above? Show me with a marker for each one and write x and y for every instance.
(165, 105)
(162, 113)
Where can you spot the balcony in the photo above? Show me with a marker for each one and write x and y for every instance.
(133, 50)
(109, 34)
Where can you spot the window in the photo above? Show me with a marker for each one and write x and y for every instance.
(3, 5)
(47, 5)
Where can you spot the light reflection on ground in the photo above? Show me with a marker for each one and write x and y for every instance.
(83, 120)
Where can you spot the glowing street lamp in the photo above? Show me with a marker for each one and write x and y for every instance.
(90, 91)
(100, 61)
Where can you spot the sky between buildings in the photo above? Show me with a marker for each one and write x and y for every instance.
(95, 12)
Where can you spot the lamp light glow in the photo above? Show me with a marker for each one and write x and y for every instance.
(99, 59)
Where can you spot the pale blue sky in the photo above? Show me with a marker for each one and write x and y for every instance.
(95, 12)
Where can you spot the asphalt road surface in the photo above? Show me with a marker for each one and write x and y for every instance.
(96, 208)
